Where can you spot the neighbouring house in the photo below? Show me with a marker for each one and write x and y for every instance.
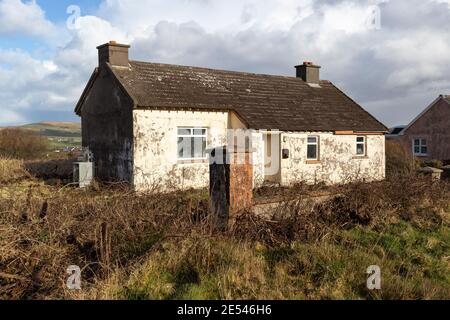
(428, 135)
(141, 120)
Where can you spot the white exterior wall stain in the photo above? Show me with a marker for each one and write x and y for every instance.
(339, 163)
(156, 164)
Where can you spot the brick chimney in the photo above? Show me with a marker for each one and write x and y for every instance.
(309, 72)
(113, 53)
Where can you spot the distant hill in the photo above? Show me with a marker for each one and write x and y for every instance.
(55, 129)
(61, 134)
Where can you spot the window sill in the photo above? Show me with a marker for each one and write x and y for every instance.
(313, 162)
(194, 161)
(360, 158)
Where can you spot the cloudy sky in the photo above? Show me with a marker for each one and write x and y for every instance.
(392, 56)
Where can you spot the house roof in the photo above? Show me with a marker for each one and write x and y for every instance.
(396, 130)
(446, 98)
(262, 101)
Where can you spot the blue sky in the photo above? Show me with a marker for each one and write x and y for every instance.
(55, 10)
(393, 66)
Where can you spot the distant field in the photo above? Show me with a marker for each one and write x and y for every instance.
(60, 134)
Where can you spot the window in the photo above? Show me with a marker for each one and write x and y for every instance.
(420, 147)
(191, 143)
(313, 148)
(361, 146)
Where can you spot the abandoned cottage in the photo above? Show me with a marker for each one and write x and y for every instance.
(152, 124)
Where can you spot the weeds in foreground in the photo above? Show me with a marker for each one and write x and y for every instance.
(163, 246)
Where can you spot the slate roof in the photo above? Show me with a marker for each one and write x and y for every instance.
(262, 101)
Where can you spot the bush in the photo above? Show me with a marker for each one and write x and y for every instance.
(21, 144)
(431, 163)
(399, 160)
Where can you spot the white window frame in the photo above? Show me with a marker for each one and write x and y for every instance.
(420, 146)
(364, 144)
(316, 144)
(192, 135)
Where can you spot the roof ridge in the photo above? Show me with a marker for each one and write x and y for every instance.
(222, 70)
(264, 101)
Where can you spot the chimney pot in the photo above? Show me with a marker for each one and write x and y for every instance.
(309, 72)
(113, 53)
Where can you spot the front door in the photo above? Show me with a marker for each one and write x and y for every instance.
(272, 157)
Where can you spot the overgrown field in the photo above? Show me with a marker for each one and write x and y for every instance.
(165, 246)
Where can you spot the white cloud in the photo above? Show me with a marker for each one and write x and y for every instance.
(394, 71)
(24, 17)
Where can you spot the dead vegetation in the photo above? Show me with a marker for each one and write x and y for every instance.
(22, 144)
(164, 246)
(399, 160)
(12, 170)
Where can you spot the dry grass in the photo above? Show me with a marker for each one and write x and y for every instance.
(12, 170)
(399, 160)
(22, 144)
(164, 246)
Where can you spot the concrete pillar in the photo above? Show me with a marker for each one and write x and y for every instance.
(231, 184)
(433, 173)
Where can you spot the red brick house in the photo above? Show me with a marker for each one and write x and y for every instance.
(428, 135)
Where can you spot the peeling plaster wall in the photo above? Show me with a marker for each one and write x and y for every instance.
(107, 128)
(157, 167)
(338, 161)
(156, 163)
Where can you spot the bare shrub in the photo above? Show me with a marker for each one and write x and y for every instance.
(399, 160)
(163, 246)
(409, 198)
(21, 144)
(43, 235)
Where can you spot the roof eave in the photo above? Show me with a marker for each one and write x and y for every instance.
(86, 91)
(402, 133)
(385, 129)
